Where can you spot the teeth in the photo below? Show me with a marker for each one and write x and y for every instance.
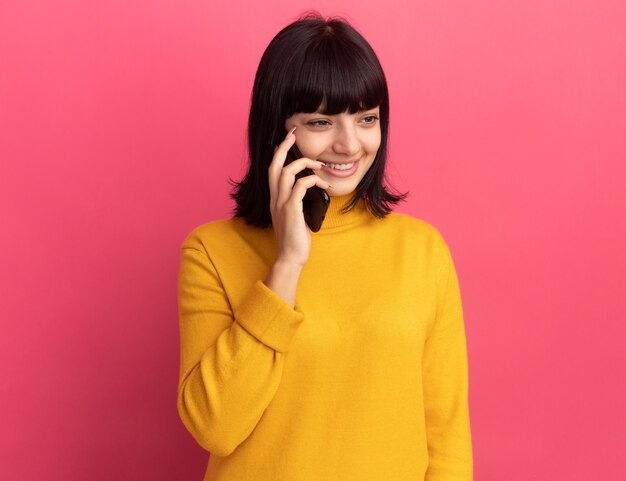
(340, 166)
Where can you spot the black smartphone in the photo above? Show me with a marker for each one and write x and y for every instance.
(316, 200)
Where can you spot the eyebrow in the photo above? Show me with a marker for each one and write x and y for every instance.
(317, 112)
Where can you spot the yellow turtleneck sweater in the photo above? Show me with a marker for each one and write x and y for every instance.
(365, 379)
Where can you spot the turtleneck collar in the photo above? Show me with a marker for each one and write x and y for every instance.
(335, 220)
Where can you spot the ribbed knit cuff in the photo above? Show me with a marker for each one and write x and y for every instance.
(268, 317)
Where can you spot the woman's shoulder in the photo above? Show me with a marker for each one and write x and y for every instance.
(211, 232)
(419, 236)
(229, 233)
(415, 225)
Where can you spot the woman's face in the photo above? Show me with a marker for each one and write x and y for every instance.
(342, 140)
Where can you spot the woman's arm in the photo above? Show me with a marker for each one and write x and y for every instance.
(445, 378)
(231, 363)
(283, 280)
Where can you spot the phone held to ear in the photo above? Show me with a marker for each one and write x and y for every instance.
(316, 200)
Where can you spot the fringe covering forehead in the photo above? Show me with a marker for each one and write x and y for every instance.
(334, 79)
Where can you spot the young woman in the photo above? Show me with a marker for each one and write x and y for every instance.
(337, 354)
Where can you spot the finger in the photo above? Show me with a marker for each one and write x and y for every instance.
(302, 185)
(288, 177)
(301, 164)
(278, 160)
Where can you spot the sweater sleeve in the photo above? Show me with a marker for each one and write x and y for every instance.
(445, 380)
(231, 361)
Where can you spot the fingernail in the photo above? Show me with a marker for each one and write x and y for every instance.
(289, 134)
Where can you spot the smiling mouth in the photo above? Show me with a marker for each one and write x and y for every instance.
(341, 170)
(340, 167)
(344, 162)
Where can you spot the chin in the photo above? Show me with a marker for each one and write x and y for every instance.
(338, 191)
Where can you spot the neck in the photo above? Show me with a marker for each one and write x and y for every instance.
(336, 219)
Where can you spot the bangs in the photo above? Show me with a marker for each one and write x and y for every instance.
(313, 65)
(335, 78)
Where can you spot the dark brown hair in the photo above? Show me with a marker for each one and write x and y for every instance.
(309, 63)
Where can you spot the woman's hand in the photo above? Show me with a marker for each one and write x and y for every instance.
(292, 234)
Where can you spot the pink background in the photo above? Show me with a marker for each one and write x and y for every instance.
(121, 121)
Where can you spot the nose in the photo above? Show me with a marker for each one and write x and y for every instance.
(347, 142)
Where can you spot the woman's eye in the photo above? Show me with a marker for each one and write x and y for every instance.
(318, 123)
(370, 119)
